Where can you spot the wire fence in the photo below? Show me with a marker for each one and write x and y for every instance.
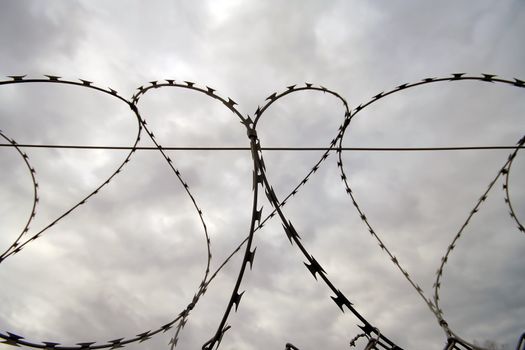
(371, 336)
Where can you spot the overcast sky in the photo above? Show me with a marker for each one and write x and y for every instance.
(131, 258)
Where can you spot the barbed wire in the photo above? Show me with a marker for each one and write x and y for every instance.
(433, 304)
(15, 245)
(260, 181)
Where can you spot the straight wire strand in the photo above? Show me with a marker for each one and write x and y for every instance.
(372, 149)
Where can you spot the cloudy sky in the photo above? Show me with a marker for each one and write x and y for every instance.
(131, 258)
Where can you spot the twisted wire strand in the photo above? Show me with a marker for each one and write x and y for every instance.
(183, 148)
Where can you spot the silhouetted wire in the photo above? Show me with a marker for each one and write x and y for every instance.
(506, 172)
(432, 304)
(15, 245)
(205, 282)
(376, 340)
(521, 342)
(11, 338)
(291, 232)
(182, 148)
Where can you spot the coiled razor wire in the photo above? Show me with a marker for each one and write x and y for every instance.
(375, 338)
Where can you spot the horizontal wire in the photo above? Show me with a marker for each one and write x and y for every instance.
(376, 149)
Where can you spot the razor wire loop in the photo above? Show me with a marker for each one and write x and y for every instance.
(445, 258)
(312, 264)
(229, 104)
(256, 214)
(16, 340)
(376, 339)
(433, 304)
(17, 246)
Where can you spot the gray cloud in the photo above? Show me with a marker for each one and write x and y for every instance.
(131, 258)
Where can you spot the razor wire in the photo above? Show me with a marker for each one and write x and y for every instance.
(375, 338)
